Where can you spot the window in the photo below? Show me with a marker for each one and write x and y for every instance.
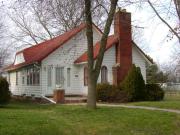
(9, 78)
(49, 76)
(68, 77)
(104, 72)
(60, 76)
(23, 77)
(85, 76)
(28, 77)
(33, 76)
(19, 58)
(16, 78)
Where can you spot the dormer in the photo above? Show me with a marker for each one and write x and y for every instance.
(19, 58)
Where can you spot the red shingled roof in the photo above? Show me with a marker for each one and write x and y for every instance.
(39, 52)
(110, 42)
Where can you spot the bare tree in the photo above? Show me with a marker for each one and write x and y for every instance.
(38, 20)
(94, 67)
(167, 11)
(175, 30)
(4, 47)
(177, 7)
(31, 23)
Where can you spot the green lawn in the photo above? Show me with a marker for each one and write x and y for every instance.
(33, 119)
(171, 101)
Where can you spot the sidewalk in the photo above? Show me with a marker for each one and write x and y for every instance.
(133, 107)
(141, 107)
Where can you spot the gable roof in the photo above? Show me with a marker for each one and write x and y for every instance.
(38, 52)
(110, 42)
(148, 58)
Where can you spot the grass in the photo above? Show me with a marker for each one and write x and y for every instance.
(33, 119)
(171, 101)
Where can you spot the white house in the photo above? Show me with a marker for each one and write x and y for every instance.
(62, 61)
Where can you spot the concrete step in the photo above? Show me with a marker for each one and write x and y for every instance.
(75, 99)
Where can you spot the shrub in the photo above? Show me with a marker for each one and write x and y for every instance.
(110, 93)
(134, 85)
(104, 91)
(154, 92)
(119, 96)
(4, 91)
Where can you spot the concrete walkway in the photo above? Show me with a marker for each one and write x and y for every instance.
(141, 107)
(133, 107)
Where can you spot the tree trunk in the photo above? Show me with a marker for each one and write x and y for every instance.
(91, 101)
(94, 67)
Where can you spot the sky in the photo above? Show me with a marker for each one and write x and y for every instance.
(154, 34)
(159, 47)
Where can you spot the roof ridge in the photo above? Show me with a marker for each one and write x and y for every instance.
(54, 38)
(42, 50)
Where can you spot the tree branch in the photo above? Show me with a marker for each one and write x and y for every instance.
(165, 22)
(103, 41)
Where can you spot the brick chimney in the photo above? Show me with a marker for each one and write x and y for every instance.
(122, 28)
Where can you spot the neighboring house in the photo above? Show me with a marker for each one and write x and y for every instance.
(62, 61)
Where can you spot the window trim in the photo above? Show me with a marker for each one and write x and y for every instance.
(85, 76)
(104, 73)
(17, 78)
(23, 77)
(61, 77)
(33, 76)
(68, 77)
(49, 79)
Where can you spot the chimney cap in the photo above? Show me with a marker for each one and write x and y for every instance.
(119, 9)
(123, 10)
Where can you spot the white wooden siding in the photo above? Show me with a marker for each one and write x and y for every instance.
(65, 57)
(139, 61)
(109, 61)
(22, 89)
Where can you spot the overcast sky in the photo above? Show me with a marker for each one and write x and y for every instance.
(154, 33)
(160, 48)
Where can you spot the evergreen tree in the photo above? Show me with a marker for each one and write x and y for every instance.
(134, 85)
(4, 91)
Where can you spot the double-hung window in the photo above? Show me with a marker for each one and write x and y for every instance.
(104, 74)
(85, 76)
(33, 76)
(68, 77)
(60, 76)
(16, 77)
(49, 76)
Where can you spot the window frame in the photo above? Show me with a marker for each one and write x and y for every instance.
(23, 77)
(85, 76)
(49, 75)
(104, 74)
(59, 80)
(33, 76)
(17, 78)
(68, 77)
